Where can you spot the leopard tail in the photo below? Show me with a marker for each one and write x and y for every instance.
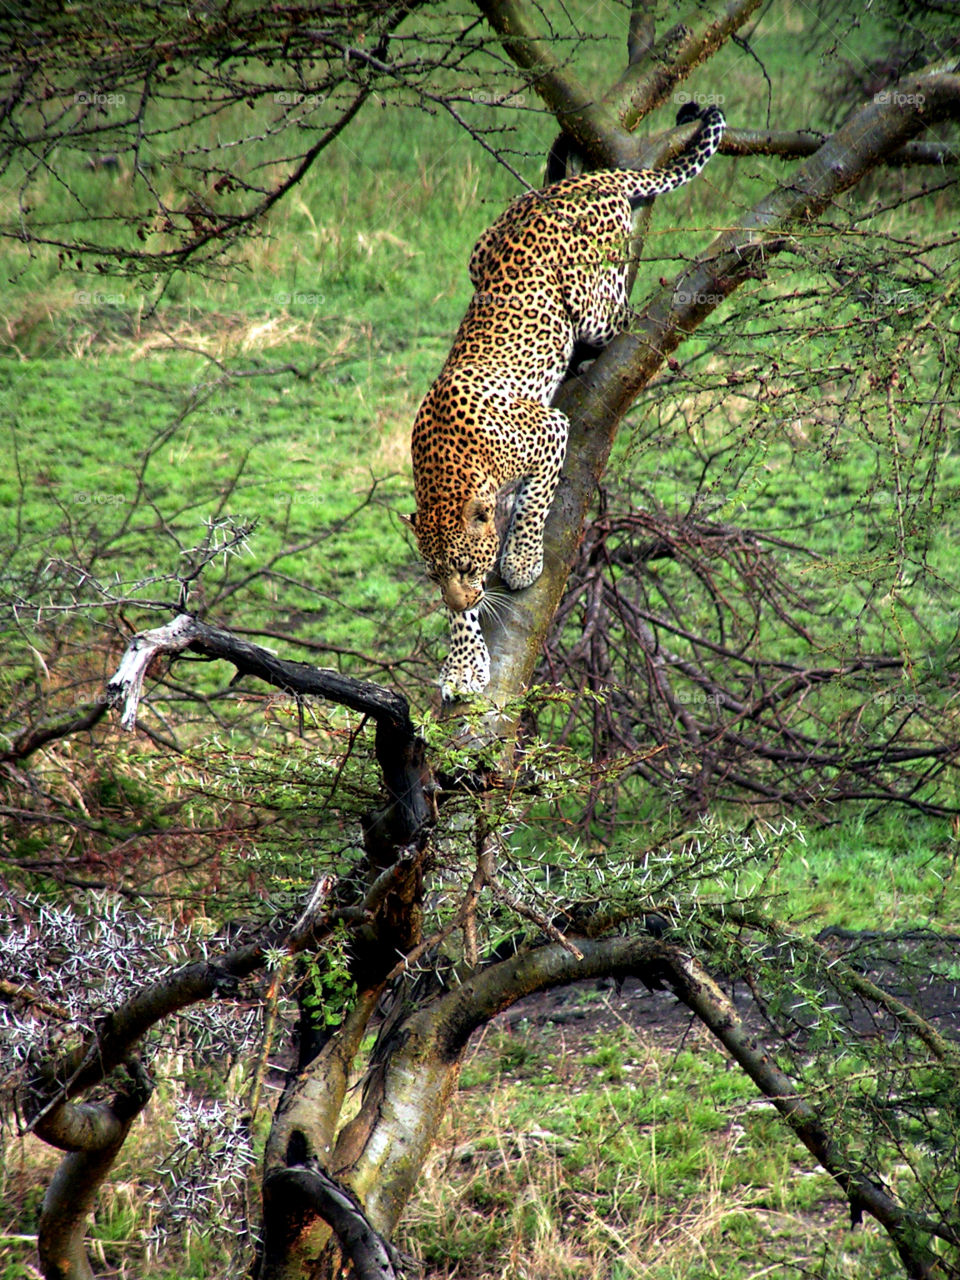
(643, 184)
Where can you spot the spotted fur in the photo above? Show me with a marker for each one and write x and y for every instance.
(550, 273)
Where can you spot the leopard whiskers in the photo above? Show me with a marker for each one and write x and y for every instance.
(499, 605)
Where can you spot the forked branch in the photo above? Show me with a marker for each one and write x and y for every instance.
(303, 1191)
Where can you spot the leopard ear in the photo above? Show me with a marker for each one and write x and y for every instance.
(411, 519)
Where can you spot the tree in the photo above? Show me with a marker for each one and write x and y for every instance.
(368, 949)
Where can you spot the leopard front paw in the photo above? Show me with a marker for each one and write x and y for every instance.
(460, 676)
(467, 668)
(519, 571)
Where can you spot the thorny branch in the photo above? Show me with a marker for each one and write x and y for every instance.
(864, 1191)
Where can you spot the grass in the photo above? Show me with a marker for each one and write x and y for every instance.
(297, 475)
(616, 1151)
(885, 871)
(577, 1149)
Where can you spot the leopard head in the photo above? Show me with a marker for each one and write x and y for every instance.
(459, 543)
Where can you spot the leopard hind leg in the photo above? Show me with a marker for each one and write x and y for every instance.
(545, 431)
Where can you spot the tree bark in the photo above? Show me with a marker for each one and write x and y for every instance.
(94, 1135)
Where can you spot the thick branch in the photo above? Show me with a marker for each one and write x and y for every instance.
(121, 1029)
(701, 994)
(303, 1192)
(578, 111)
(641, 31)
(425, 1060)
(382, 1150)
(310, 1111)
(793, 144)
(649, 83)
(33, 739)
(188, 632)
(644, 86)
(81, 1126)
(738, 254)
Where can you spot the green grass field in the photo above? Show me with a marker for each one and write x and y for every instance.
(618, 1151)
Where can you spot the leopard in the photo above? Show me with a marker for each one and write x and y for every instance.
(550, 284)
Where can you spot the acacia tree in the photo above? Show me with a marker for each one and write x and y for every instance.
(333, 1192)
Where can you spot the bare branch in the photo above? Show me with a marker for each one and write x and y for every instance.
(118, 90)
(793, 144)
(33, 739)
(399, 749)
(648, 83)
(188, 632)
(578, 111)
